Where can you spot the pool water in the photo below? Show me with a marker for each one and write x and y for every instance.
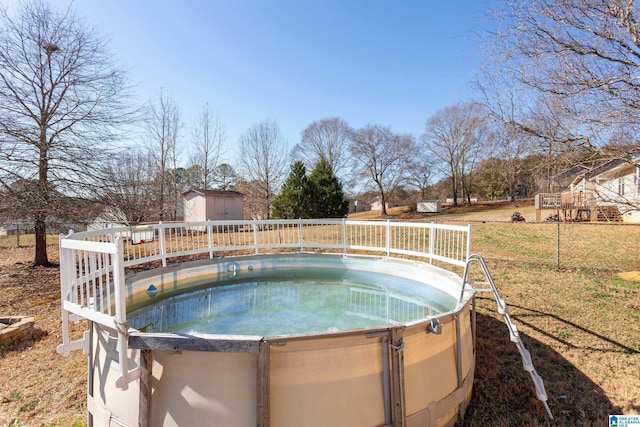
(283, 305)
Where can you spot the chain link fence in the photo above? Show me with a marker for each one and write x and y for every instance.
(603, 246)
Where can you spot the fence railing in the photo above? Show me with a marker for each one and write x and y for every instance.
(92, 263)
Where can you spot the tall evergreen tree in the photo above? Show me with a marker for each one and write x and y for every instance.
(294, 201)
(329, 200)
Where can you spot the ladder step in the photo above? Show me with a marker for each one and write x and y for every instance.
(502, 307)
(514, 334)
(527, 364)
(541, 393)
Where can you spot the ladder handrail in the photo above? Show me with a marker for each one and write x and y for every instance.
(514, 335)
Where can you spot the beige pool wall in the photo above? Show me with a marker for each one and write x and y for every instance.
(405, 375)
(312, 381)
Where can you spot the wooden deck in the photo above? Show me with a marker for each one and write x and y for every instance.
(574, 207)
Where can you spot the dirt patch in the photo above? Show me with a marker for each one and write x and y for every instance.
(481, 211)
(630, 276)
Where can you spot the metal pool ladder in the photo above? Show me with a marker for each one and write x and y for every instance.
(541, 394)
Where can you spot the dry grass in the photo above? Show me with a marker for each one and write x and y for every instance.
(581, 322)
(579, 317)
(38, 387)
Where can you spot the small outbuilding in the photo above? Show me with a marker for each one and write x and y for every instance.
(431, 206)
(376, 205)
(212, 205)
(358, 205)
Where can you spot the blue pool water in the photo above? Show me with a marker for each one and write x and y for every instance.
(289, 304)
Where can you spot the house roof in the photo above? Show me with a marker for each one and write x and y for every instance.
(606, 167)
(213, 192)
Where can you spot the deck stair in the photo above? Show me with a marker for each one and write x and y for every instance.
(489, 286)
(608, 213)
(583, 214)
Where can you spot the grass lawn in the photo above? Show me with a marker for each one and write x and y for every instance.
(579, 319)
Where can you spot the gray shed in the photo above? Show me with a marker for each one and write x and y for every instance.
(212, 205)
(432, 206)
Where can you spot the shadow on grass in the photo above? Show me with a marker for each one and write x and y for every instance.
(504, 395)
(614, 346)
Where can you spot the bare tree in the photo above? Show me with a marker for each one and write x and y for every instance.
(455, 136)
(263, 162)
(325, 139)
(208, 137)
(511, 145)
(163, 126)
(552, 127)
(472, 157)
(130, 180)
(383, 157)
(61, 99)
(419, 172)
(579, 62)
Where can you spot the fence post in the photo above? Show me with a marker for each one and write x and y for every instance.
(344, 235)
(432, 241)
(468, 254)
(255, 234)
(300, 235)
(65, 283)
(388, 237)
(163, 245)
(210, 238)
(558, 245)
(120, 319)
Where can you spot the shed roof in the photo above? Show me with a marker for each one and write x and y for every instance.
(213, 192)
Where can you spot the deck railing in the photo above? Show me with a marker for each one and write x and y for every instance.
(578, 200)
(92, 263)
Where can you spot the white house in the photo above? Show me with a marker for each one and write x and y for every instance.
(110, 217)
(615, 184)
(376, 205)
(358, 205)
(212, 205)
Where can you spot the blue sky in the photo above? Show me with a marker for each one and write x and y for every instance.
(380, 62)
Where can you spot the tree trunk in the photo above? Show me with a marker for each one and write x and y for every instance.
(40, 228)
(39, 224)
(383, 200)
(454, 188)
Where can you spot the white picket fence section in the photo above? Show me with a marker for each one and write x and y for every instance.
(92, 263)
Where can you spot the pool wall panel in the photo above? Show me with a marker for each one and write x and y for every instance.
(327, 382)
(203, 388)
(108, 404)
(431, 371)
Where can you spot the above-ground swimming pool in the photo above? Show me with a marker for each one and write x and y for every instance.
(290, 340)
(271, 328)
(283, 337)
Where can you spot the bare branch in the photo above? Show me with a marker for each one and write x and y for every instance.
(62, 98)
(263, 162)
